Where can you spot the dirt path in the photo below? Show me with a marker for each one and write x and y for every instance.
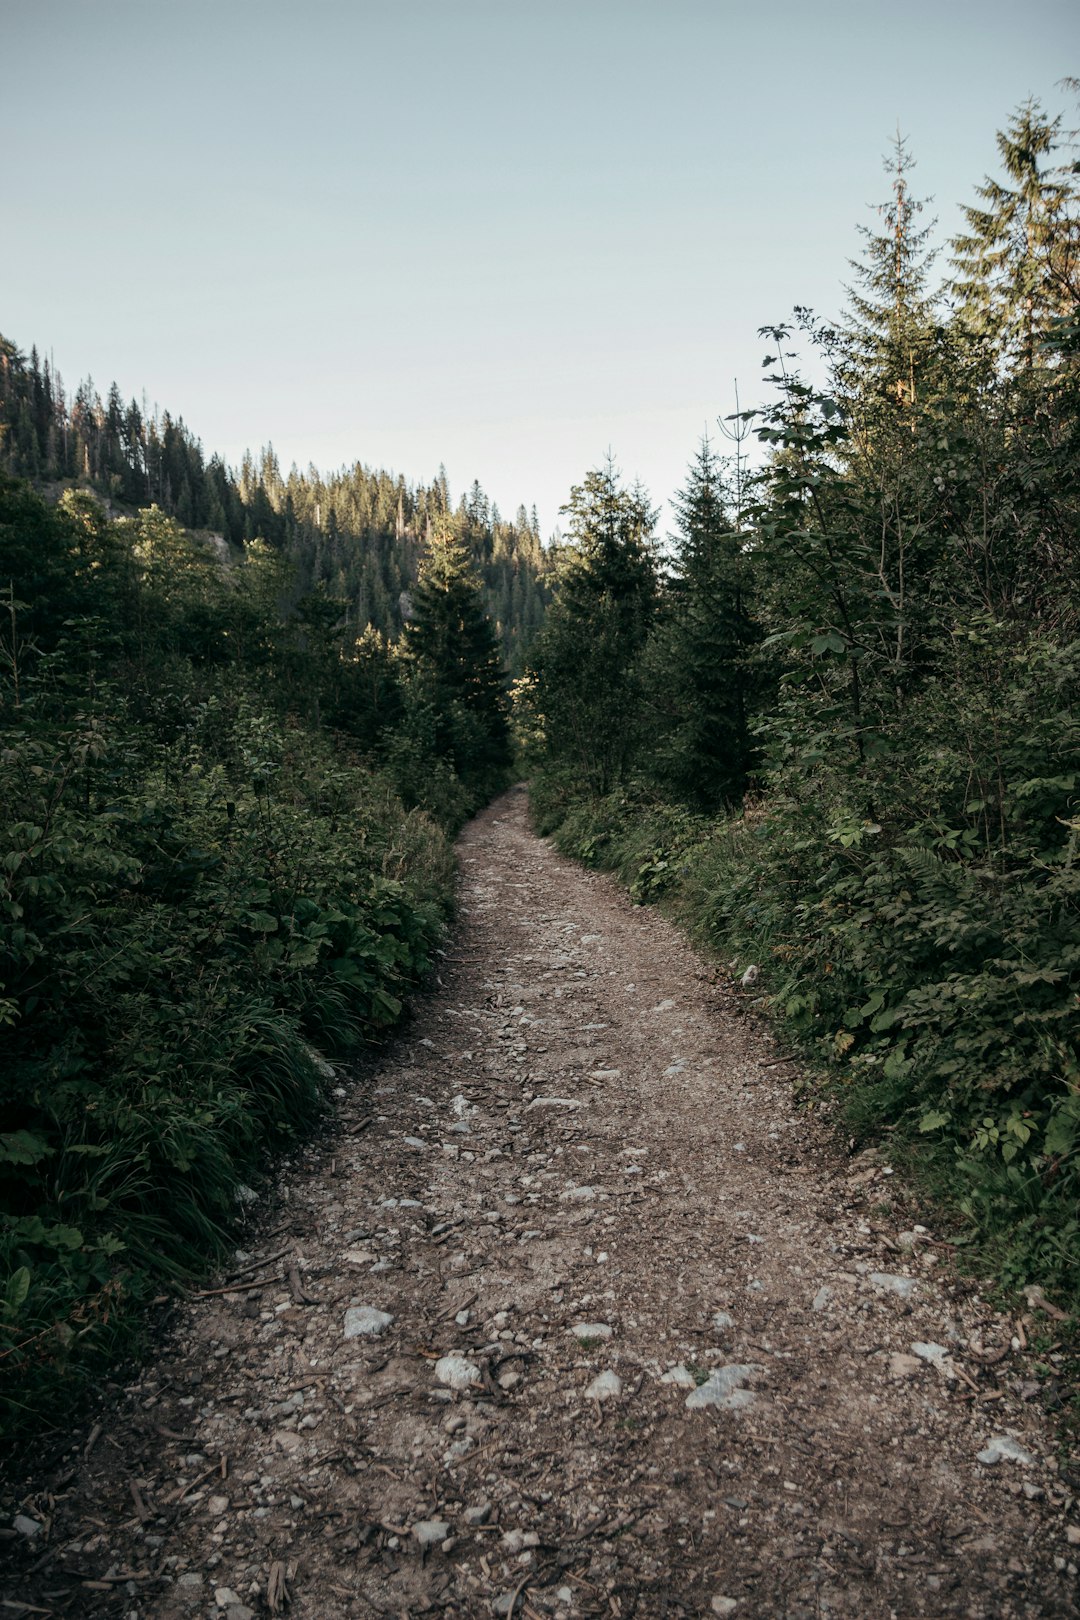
(703, 1372)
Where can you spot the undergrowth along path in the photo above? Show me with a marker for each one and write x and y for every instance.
(573, 1314)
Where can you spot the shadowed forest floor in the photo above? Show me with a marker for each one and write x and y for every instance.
(571, 1314)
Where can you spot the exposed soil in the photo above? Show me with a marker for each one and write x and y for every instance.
(582, 1159)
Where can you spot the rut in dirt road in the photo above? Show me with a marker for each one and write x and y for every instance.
(584, 1320)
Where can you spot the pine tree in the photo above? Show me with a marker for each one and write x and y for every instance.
(890, 316)
(450, 640)
(701, 684)
(1018, 263)
(585, 673)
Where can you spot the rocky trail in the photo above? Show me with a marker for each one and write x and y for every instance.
(571, 1314)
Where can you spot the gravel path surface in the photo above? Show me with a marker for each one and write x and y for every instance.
(573, 1314)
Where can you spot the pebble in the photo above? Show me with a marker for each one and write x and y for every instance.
(1003, 1448)
(364, 1321)
(577, 1195)
(606, 1386)
(479, 1514)
(216, 1506)
(1072, 1534)
(724, 1388)
(902, 1287)
(821, 1299)
(934, 1353)
(457, 1372)
(287, 1440)
(225, 1597)
(23, 1525)
(722, 1320)
(431, 1532)
(191, 1580)
(591, 1330)
(724, 1605)
(902, 1366)
(680, 1376)
(414, 1142)
(556, 1102)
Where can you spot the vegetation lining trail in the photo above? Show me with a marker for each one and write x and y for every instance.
(580, 1175)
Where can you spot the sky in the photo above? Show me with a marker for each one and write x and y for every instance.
(505, 236)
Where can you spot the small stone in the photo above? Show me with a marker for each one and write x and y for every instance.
(1003, 1448)
(216, 1506)
(415, 1142)
(748, 978)
(457, 1372)
(680, 1376)
(513, 1541)
(724, 1388)
(724, 1605)
(287, 1440)
(577, 1195)
(191, 1580)
(509, 1380)
(821, 1299)
(906, 1240)
(23, 1525)
(225, 1597)
(902, 1366)
(591, 1330)
(462, 1318)
(239, 1611)
(902, 1287)
(556, 1102)
(479, 1514)
(936, 1354)
(1072, 1534)
(365, 1322)
(430, 1532)
(606, 1386)
(722, 1320)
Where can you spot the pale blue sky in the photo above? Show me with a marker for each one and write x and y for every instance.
(500, 234)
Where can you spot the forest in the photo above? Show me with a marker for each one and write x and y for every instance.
(226, 810)
(834, 727)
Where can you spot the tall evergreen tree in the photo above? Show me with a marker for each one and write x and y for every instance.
(700, 679)
(1018, 262)
(586, 669)
(451, 641)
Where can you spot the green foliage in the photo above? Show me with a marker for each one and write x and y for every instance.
(903, 866)
(200, 896)
(582, 702)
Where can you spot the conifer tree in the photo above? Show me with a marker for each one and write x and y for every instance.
(1018, 263)
(586, 672)
(451, 641)
(701, 684)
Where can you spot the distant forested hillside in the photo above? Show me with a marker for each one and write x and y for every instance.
(355, 535)
(232, 753)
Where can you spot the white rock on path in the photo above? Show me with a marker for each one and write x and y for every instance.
(725, 1388)
(902, 1287)
(606, 1386)
(724, 1605)
(457, 1372)
(365, 1322)
(680, 1376)
(430, 1532)
(591, 1330)
(1003, 1448)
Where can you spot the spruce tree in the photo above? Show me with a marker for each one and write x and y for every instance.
(701, 682)
(585, 673)
(452, 643)
(1018, 263)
